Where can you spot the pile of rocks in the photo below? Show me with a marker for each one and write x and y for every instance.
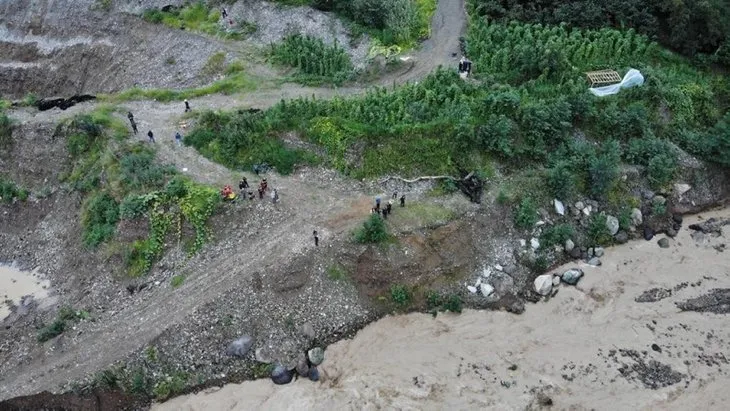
(546, 284)
(493, 281)
(305, 366)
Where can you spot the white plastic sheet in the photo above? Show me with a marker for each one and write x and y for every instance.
(632, 78)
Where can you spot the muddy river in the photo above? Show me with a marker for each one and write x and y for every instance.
(591, 346)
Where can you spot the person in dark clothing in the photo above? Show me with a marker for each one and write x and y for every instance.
(389, 207)
(316, 238)
(134, 126)
(151, 136)
(243, 184)
(178, 138)
(250, 195)
(385, 214)
(261, 193)
(395, 195)
(224, 13)
(187, 106)
(130, 116)
(377, 203)
(403, 200)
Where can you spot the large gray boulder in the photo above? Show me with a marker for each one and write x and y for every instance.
(572, 276)
(544, 284)
(612, 224)
(637, 218)
(280, 375)
(240, 346)
(316, 355)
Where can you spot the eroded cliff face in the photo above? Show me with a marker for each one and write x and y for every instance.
(68, 47)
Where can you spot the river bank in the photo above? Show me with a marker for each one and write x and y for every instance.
(617, 340)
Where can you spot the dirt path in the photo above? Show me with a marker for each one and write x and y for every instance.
(309, 200)
(592, 346)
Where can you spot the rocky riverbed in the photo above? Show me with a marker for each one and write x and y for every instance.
(646, 329)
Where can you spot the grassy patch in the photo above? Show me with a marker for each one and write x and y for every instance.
(177, 281)
(436, 302)
(201, 18)
(236, 82)
(336, 272)
(400, 295)
(10, 191)
(419, 215)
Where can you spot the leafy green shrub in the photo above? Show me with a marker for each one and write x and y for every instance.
(526, 214)
(598, 233)
(562, 180)
(138, 169)
(132, 206)
(177, 281)
(453, 303)
(176, 188)
(10, 191)
(312, 57)
(153, 15)
(53, 330)
(400, 295)
(169, 386)
(556, 235)
(100, 217)
(372, 231)
(215, 65)
(662, 169)
(603, 170)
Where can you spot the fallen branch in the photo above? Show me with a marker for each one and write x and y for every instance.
(420, 179)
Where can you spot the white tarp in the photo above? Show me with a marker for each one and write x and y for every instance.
(632, 78)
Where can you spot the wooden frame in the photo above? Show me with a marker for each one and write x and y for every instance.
(603, 77)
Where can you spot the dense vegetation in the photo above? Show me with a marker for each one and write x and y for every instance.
(10, 191)
(122, 181)
(688, 26)
(315, 61)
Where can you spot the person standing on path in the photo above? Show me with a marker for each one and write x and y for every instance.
(395, 194)
(178, 138)
(187, 106)
(243, 184)
(274, 196)
(151, 136)
(130, 116)
(377, 203)
(385, 213)
(316, 238)
(389, 207)
(224, 13)
(403, 200)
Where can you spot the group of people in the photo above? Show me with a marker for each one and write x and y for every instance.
(150, 134)
(263, 187)
(388, 208)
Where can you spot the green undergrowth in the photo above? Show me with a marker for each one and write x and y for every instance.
(65, 318)
(199, 17)
(235, 81)
(10, 191)
(529, 111)
(6, 130)
(373, 231)
(314, 61)
(122, 180)
(419, 215)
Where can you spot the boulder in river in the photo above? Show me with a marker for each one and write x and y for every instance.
(572, 276)
(544, 284)
(663, 243)
(240, 346)
(598, 252)
(594, 262)
(280, 375)
(612, 224)
(648, 233)
(303, 367)
(316, 355)
(622, 237)
(313, 374)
